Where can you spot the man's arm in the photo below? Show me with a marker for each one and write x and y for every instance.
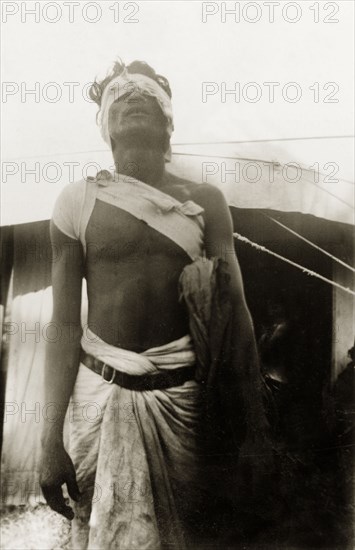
(62, 362)
(219, 242)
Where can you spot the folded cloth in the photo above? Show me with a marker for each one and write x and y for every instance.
(237, 443)
(135, 453)
(181, 222)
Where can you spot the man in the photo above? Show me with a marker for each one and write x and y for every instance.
(131, 235)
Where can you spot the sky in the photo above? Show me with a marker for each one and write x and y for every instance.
(203, 51)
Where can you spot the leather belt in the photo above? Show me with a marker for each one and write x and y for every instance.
(142, 382)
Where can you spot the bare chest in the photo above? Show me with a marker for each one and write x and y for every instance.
(114, 234)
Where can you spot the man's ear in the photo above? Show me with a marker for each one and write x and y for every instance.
(167, 148)
(167, 154)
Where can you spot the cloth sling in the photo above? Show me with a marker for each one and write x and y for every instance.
(180, 222)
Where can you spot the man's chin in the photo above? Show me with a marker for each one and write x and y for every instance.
(144, 137)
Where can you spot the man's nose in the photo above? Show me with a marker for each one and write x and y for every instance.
(138, 95)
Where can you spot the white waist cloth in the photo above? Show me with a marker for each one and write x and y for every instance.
(135, 452)
(178, 353)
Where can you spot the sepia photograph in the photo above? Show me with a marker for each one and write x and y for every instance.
(177, 275)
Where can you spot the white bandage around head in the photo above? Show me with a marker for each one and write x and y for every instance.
(127, 83)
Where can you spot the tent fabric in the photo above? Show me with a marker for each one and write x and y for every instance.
(29, 330)
(31, 305)
(29, 312)
(268, 176)
(313, 178)
(24, 405)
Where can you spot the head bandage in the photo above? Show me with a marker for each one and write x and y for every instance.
(127, 83)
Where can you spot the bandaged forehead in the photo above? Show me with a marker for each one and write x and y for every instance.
(125, 84)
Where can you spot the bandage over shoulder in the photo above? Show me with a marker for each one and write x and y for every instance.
(180, 222)
(68, 209)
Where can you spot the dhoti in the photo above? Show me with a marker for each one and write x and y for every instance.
(135, 452)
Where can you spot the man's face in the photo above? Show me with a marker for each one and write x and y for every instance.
(138, 118)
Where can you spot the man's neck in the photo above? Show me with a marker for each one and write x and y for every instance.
(147, 165)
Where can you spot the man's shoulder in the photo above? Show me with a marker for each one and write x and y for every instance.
(75, 192)
(203, 194)
(101, 177)
(74, 188)
(178, 181)
(209, 197)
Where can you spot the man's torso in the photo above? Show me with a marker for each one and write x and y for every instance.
(132, 273)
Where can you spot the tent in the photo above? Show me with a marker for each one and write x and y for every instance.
(302, 224)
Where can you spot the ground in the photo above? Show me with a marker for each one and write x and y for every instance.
(315, 496)
(33, 528)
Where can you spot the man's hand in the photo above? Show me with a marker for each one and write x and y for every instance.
(57, 469)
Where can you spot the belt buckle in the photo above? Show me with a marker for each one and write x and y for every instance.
(103, 374)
